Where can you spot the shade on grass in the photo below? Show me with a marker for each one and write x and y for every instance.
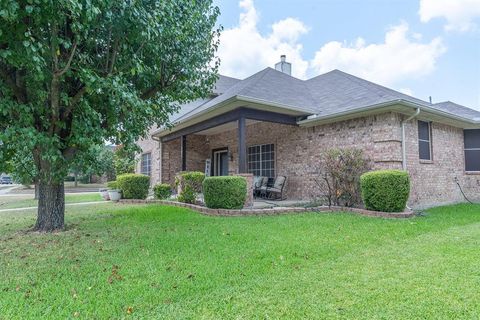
(166, 262)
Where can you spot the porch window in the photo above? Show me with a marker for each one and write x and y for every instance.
(261, 160)
(146, 164)
(471, 140)
(424, 140)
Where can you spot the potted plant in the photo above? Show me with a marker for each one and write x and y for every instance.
(113, 192)
(104, 193)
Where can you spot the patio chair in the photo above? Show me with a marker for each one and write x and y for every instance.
(258, 183)
(275, 192)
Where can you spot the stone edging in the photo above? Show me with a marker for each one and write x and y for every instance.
(271, 211)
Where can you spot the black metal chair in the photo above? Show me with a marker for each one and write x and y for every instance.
(258, 183)
(275, 192)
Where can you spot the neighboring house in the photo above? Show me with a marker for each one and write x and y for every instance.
(274, 124)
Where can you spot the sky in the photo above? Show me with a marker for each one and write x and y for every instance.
(419, 47)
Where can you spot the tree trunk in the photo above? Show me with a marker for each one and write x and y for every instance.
(76, 179)
(36, 190)
(51, 207)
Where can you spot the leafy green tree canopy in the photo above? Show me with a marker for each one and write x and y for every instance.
(76, 73)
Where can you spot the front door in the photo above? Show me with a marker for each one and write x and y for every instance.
(220, 163)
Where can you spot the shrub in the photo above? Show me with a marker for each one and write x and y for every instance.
(385, 190)
(162, 191)
(112, 185)
(133, 186)
(226, 192)
(187, 195)
(339, 177)
(190, 184)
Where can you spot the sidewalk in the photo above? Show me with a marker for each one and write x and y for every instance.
(67, 204)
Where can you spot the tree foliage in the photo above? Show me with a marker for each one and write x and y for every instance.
(124, 160)
(76, 73)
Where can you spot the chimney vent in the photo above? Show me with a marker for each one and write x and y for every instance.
(283, 65)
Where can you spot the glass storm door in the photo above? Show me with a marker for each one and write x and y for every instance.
(220, 163)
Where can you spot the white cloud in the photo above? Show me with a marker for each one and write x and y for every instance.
(403, 55)
(460, 14)
(398, 58)
(244, 51)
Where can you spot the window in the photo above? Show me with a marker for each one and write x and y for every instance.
(146, 164)
(424, 140)
(471, 140)
(261, 160)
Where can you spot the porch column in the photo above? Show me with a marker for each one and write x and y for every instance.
(183, 151)
(242, 146)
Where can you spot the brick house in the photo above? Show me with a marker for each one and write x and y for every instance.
(273, 124)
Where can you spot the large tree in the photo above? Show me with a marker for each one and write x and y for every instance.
(76, 73)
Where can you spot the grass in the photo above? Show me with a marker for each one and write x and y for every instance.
(153, 261)
(26, 200)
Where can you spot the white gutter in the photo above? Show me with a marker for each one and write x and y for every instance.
(404, 144)
(318, 117)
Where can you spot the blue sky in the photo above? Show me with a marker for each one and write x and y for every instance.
(420, 47)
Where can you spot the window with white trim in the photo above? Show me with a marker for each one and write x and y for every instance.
(424, 140)
(146, 164)
(471, 140)
(261, 160)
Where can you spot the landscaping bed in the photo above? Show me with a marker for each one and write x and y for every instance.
(272, 211)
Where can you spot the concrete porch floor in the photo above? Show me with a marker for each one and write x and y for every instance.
(265, 204)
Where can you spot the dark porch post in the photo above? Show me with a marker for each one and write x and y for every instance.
(242, 146)
(184, 152)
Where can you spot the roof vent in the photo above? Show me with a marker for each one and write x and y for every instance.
(283, 65)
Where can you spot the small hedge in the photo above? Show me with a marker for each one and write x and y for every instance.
(190, 183)
(133, 186)
(162, 191)
(385, 190)
(226, 192)
(112, 185)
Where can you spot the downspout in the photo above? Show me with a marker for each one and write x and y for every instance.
(404, 146)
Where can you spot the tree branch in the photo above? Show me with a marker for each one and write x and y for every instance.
(74, 101)
(69, 62)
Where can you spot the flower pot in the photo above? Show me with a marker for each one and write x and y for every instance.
(104, 194)
(115, 194)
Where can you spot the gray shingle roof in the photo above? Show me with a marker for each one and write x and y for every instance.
(268, 85)
(223, 84)
(326, 94)
(337, 91)
(455, 108)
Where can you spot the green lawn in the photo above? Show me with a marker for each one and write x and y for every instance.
(119, 261)
(24, 201)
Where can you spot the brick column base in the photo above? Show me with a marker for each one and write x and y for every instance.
(249, 199)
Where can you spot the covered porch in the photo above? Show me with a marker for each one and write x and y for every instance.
(237, 142)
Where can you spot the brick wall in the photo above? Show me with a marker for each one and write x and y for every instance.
(298, 151)
(433, 182)
(198, 151)
(153, 147)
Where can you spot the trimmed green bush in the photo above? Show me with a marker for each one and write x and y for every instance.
(190, 183)
(225, 192)
(112, 185)
(191, 178)
(162, 191)
(385, 190)
(133, 186)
